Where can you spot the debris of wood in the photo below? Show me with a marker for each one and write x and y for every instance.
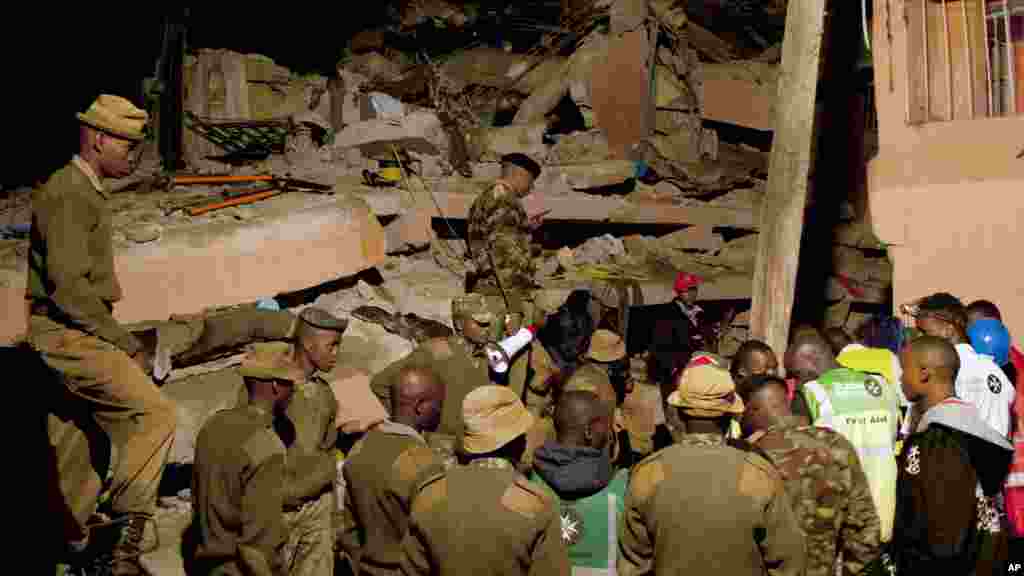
(741, 93)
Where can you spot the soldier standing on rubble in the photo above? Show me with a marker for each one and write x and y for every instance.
(499, 236)
(311, 434)
(72, 286)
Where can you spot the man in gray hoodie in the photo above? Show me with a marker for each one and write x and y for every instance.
(577, 471)
(949, 516)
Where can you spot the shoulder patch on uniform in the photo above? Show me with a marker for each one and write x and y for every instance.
(758, 478)
(411, 462)
(431, 492)
(645, 477)
(262, 445)
(525, 499)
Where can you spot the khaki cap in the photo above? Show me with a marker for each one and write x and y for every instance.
(322, 319)
(706, 391)
(493, 416)
(606, 346)
(117, 116)
(592, 378)
(472, 306)
(266, 363)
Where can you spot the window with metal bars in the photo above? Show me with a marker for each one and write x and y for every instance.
(965, 59)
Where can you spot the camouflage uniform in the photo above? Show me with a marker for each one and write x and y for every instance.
(829, 493)
(498, 224)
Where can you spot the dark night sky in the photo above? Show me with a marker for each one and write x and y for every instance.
(56, 64)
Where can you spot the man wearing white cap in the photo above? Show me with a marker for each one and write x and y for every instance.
(702, 506)
(485, 517)
(72, 286)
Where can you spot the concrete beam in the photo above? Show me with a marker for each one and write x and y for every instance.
(297, 242)
(576, 206)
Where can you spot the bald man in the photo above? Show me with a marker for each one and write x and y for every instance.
(862, 407)
(384, 467)
(951, 471)
(576, 470)
(753, 358)
(823, 478)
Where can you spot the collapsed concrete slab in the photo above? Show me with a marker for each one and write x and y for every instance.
(418, 131)
(289, 243)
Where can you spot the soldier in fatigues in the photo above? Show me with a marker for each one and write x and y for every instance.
(384, 468)
(702, 506)
(459, 360)
(311, 434)
(238, 476)
(72, 288)
(823, 477)
(484, 517)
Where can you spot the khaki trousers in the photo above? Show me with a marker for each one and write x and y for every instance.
(309, 548)
(122, 400)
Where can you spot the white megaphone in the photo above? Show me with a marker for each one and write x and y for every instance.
(499, 355)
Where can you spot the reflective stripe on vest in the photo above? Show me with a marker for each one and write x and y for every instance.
(864, 409)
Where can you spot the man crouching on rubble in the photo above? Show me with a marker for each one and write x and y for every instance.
(72, 286)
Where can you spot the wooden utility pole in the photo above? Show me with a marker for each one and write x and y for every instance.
(782, 214)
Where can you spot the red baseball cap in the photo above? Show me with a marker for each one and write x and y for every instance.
(685, 281)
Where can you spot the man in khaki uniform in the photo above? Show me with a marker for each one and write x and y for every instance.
(704, 507)
(485, 517)
(311, 434)
(384, 468)
(459, 360)
(238, 475)
(72, 286)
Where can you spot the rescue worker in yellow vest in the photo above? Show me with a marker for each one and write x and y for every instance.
(860, 406)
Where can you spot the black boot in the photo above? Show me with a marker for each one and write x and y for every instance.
(127, 549)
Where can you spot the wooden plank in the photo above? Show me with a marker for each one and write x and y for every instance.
(782, 218)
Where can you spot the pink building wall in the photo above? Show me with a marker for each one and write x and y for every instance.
(946, 196)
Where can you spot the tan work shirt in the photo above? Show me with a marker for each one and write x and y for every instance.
(236, 492)
(310, 432)
(71, 256)
(483, 518)
(702, 507)
(381, 474)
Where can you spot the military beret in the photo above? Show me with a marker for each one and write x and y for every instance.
(472, 306)
(523, 161)
(322, 319)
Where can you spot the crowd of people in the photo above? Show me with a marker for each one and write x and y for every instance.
(602, 447)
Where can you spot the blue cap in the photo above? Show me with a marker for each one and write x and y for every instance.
(990, 337)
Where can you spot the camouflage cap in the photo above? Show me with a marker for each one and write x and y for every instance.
(269, 363)
(606, 346)
(472, 306)
(322, 319)
(492, 416)
(706, 391)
